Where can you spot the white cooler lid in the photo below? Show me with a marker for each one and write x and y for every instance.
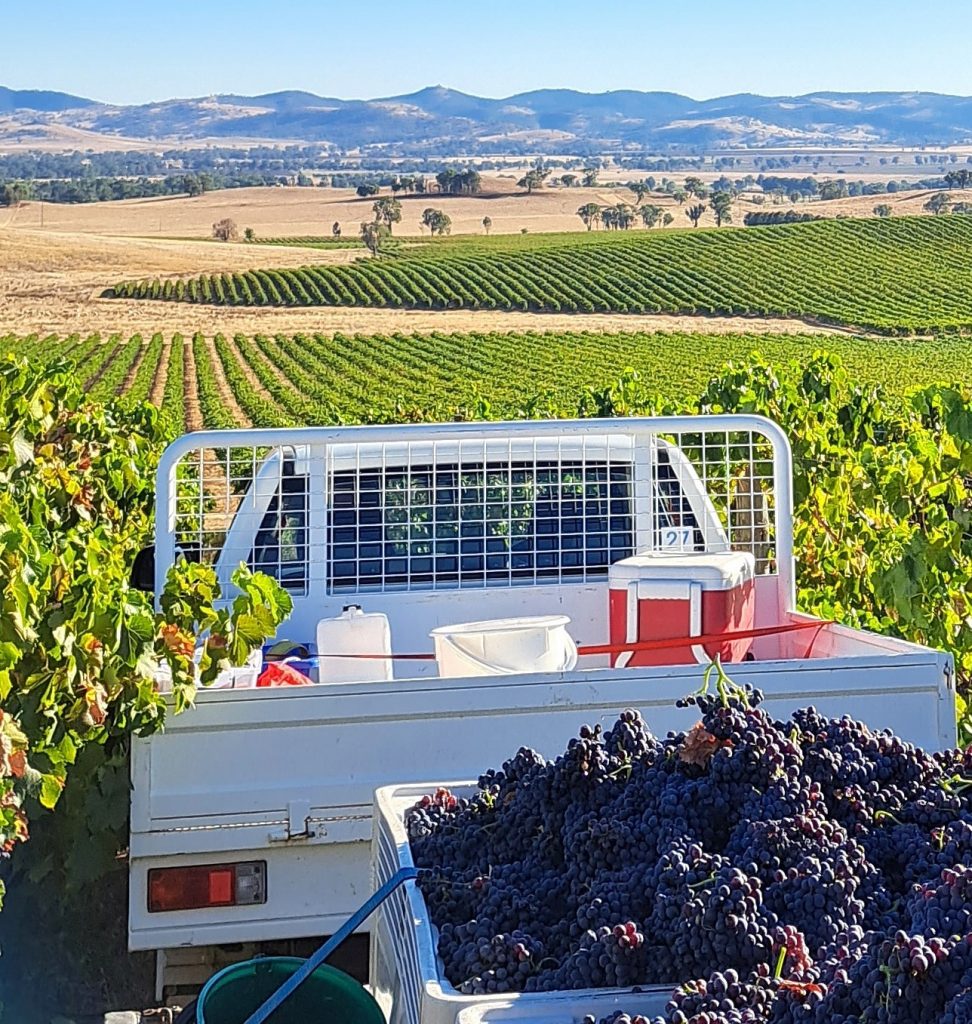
(715, 570)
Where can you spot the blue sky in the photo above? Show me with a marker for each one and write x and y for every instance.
(136, 52)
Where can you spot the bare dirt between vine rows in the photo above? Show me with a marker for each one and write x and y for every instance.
(161, 374)
(52, 283)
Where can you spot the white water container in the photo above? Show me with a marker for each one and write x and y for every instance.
(354, 632)
(499, 647)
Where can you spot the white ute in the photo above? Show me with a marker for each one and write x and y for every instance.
(251, 813)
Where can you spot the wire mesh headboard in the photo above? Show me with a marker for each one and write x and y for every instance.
(352, 510)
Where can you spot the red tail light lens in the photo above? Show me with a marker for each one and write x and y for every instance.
(207, 885)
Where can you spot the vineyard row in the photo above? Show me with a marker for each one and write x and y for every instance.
(903, 276)
(317, 379)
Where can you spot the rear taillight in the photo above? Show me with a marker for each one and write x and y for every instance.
(207, 885)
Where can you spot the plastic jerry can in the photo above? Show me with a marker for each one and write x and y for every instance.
(677, 595)
(354, 632)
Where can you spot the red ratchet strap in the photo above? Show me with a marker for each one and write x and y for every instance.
(643, 645)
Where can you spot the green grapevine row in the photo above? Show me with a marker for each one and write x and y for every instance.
(314, 242)
(899, 276)
(318, 379)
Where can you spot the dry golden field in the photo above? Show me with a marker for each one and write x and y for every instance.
(294, 212)
(276, 212)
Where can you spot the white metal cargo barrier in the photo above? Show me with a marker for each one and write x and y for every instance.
(437, 524)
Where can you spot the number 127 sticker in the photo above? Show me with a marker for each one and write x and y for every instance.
(678, 537)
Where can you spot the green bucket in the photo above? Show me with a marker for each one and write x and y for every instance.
(328, 996)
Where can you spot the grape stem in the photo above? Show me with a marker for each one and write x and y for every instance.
(725, 687)
(780, 961)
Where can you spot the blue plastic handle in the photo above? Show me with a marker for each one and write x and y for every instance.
(310, 965)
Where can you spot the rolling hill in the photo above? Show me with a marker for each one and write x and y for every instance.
(442, 120)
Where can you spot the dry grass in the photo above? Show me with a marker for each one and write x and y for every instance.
(277, 212)
(295, 212)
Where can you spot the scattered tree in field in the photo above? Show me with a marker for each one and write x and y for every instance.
(226, 230)
(590, 214)
(532, 179)
(959, 179)
(367, 190)
(694, 213)
(436, 221)
(680, 195)
(13, 193)
(568, 180)
(249, 235)
(759, 199)
(696, 187)
(722, 208)
(336, 230)
(938, 203)
(487, 223)
(590, 176)
(669, 218)
(833, 190)
(882, 210)
(795, 197)
(640, 189)
(453, 182)
(408, 183)
(374, 235)
(650, 214)
(619, 217)
(387, 211)
(193, 185)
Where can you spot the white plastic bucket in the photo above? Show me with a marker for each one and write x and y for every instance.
(498, 647)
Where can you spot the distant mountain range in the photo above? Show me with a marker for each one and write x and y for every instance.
(440, 120)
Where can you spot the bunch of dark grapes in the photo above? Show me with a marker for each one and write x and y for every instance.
(620, 1017)
(927, 852)
(723, 992)
(724, 922)
(943, 907)
(608, 958)
(497, 963)
(958, 1010)
(810, 871)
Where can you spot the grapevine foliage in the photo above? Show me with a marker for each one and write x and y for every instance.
(808, 870)
(77, 645)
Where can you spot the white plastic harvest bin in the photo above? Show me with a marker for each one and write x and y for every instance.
(568, 1008)
(405, 973)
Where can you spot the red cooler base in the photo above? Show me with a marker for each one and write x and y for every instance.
(723, 611)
